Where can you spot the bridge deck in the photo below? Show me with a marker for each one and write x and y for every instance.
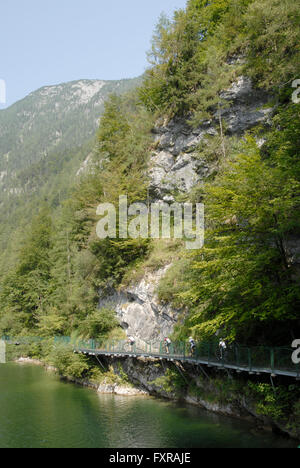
(209, 363)
(257, 360)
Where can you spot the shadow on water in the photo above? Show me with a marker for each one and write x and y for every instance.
(39, 410)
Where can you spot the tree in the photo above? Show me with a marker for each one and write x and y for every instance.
(243, 279)
(25, 290)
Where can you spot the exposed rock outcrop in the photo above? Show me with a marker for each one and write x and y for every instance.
(122, 390)
(175, 165)
(139, 310)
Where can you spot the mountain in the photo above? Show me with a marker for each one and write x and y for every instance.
(45, 140)
(53, 118)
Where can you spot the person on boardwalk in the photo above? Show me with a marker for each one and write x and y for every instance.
(167, 342)
(131, 342)
(192, 345)
(222, 348)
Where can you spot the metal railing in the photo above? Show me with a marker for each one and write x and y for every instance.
(273, 360)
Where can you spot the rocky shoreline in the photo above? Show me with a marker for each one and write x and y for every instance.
(35, 362)
(198, 387)
(105, 388)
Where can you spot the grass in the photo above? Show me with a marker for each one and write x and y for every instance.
(163, 252)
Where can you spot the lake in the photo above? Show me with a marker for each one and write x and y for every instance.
(37, 409)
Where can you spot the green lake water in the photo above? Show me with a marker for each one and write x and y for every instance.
(39, 410)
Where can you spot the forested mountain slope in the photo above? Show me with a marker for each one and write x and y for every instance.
(44, 140)
(56, 117)
(217, 104)
(214, 122)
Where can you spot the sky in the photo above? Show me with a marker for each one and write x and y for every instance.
(45, 42)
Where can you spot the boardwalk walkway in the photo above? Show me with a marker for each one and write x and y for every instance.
(260, 360)
(255, 360)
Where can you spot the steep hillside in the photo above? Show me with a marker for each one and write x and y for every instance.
(202, 127)
(212, 122)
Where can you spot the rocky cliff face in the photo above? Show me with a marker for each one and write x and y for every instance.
(139, 311)
(176, 167)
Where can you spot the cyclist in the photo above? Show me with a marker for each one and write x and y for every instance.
(131, 342)
(167, 342)
(222, 348)
(192, 345)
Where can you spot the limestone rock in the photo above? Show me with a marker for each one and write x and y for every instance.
(175, 166)
(122, 390)
(139, 310)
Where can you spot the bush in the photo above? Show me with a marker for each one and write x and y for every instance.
(98, 323)
(276, 403)
(68, 363)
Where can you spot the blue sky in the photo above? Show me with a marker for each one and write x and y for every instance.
(46, 42)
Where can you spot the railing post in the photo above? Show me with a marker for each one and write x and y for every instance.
(272, 359)
(250, 359)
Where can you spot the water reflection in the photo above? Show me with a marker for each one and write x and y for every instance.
(38, 410)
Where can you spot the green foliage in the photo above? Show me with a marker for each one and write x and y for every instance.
(45, 138)
(272, 38)
(25, 291)
(243, 278)
(276, 403)
(123, 160)
(53, 288)
(194, 55)
(51, 119)
(51, 324)
(68, 363)
(172, 282)
(98, 323)
(294, 422)
(116, 255)
(161, 253)
(171, 382)
(114, 127)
